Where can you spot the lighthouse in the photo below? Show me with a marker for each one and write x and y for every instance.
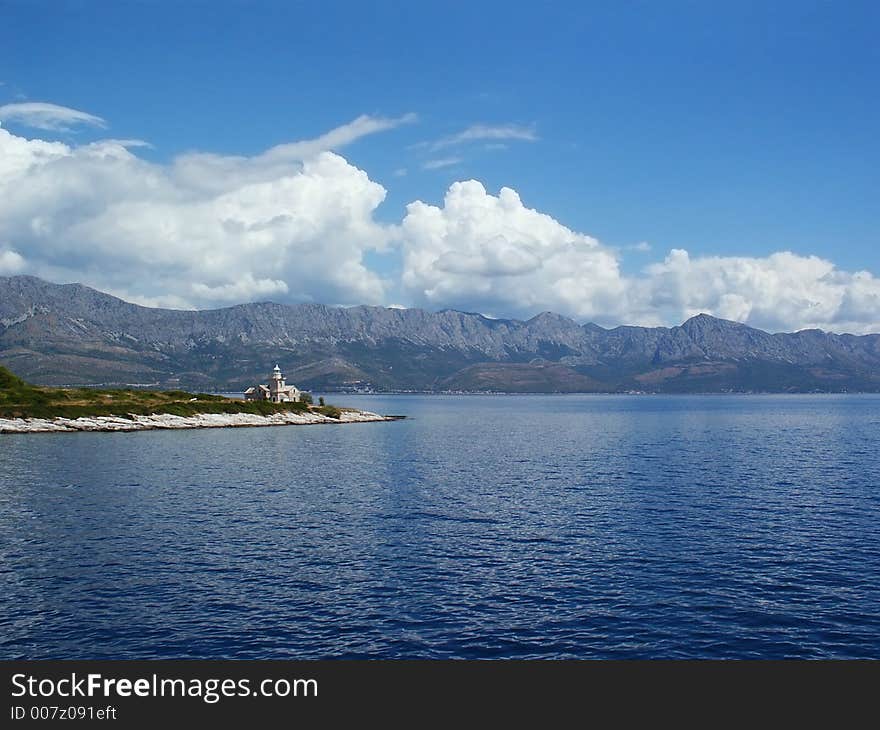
(276, 385)
(277, 391)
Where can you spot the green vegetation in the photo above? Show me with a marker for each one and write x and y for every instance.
(19, 399)
(329, 411)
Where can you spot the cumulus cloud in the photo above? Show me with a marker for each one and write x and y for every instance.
(51, 117)
(292, 223)
(777, 292)
(493, 254)
(298, 223)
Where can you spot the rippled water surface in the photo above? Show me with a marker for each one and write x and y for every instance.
(529, 526)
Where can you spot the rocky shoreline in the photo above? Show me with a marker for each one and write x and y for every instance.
(167, 421)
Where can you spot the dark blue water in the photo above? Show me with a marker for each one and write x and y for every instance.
(532, 526)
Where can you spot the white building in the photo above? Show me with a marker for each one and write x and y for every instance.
(276, 391)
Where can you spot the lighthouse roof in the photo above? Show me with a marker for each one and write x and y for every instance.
(277, 369)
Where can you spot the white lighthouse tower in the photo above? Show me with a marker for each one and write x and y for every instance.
(276, 385)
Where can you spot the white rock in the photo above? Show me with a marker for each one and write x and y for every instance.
(168, 421)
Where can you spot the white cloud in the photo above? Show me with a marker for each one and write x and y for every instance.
(337, 138)
(293, 223)
(441, 163)
(247, 287)
(126, 143)
(11, 262)
(492, 134)
(781, 291)
(492, 254)
(207, 171)
(297, 222)
(51, 117)
(478, 132)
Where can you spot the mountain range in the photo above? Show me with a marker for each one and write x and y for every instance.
(70, 334)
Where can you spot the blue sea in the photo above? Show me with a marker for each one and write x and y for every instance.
(479, 527)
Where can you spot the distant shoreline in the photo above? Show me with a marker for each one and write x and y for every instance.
(603, 393)
(171, 422)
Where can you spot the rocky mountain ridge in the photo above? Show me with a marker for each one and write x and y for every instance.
(71, 334)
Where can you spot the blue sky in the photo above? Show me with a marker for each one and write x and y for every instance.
(726, 129)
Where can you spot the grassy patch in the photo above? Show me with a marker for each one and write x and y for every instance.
(19, 399)
(329, 411)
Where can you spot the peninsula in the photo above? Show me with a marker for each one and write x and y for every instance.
(26, 408)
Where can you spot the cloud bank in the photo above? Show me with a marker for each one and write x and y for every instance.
(298, 223)
(493, 254)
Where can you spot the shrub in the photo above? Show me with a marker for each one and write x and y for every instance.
(329, 411)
